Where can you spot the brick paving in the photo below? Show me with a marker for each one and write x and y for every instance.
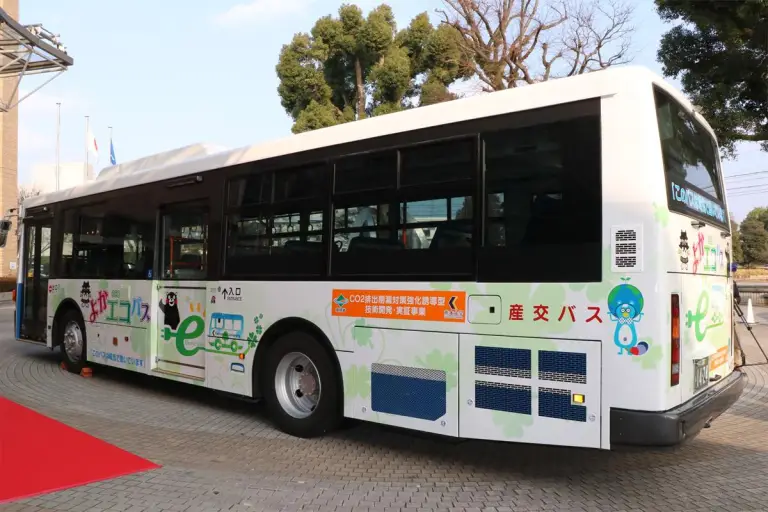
(219, 453)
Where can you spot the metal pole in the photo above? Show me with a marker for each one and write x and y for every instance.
(85, 169)
(58, 142)
(110, 145)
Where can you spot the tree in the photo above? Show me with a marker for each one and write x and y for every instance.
(518, 42)
(27, 191)
(718, 51)
(754, 239)
(353, 67)
(736, 249)
(759, 214)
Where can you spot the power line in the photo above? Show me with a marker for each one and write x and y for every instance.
(743, 179)
(749, 185)
(746, 174)
(746, 193)
(753, 188)
(746, 185)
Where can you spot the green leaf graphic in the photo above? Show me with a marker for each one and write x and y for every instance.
(651, 359)
(363, 337)
(357, 382)
(512, 425)
(438, 360)
(661, 214)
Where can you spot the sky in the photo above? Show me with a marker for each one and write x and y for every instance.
(170, 73)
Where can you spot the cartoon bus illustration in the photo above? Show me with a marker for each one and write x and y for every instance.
(227, 323)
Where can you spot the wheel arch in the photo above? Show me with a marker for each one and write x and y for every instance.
(61, 310)
(281, 328)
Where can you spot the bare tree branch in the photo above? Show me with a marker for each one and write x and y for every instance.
(28, 191)
(517, 42)
(599, 36)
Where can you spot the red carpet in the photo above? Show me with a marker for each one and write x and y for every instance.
(40, 455)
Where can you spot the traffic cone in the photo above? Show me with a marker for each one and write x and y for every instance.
(750, 313)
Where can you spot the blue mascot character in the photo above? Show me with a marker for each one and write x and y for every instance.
(625, 307)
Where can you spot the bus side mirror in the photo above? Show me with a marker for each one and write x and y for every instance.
(5, 228)
(734, 266)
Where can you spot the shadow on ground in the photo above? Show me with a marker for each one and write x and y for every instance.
(400, 455)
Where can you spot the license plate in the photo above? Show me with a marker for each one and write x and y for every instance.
(700, 373)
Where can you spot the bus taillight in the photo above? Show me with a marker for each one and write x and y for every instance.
(675, 356)
(13, 295)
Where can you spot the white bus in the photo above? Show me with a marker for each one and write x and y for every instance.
(549, 264)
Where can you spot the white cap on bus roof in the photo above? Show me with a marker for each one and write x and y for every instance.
(160, 160)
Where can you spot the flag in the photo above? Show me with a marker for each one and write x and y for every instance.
(92, 146)
(112, 158)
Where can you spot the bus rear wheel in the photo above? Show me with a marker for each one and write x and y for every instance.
(301, 390)
(72, 340)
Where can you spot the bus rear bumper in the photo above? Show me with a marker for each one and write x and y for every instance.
(668, 428)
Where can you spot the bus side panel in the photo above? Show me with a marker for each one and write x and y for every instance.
(707, 347)
(237, 318)
(531, 390)
(636, 338)
(413, 379)
(696, 261)
(117, 318)
(395, 372)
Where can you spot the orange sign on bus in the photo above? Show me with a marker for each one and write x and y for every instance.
(431, 306)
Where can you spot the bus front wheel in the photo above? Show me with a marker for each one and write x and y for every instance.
(73, 342)
(301, 390)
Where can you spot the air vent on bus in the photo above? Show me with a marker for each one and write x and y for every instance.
(626, 248)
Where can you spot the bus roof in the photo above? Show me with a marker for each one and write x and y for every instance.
(200, 157)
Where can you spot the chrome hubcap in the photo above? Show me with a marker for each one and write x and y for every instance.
(297, 385)
(73, 341)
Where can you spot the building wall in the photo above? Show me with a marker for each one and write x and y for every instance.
(9, 157)
(70, 175)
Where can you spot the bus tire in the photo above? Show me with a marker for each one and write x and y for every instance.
(72, 340)
(300, 387)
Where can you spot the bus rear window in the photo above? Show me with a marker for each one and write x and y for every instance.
(691, 162)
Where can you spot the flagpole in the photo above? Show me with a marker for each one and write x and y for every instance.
(85, 169)
(58, 142)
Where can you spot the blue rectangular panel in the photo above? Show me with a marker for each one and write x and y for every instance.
(497, 396)
(563, 366)
(410, 392)
(556, 403)
(505, 362)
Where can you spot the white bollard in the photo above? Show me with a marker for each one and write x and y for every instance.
(750, 313)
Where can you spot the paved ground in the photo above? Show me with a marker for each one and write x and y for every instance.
(222, 454)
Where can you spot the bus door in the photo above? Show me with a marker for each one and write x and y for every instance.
(180, 292)
(36, 259)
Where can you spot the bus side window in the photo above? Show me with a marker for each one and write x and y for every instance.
(543, 203)
(275, 222)
(103, 240)
(418, 225)
(185, 244)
